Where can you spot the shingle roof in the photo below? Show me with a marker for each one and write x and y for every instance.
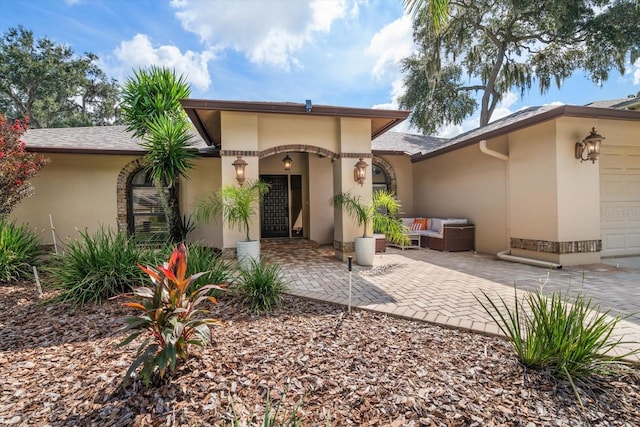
(406, 143)
(96, 139)
(615, 103)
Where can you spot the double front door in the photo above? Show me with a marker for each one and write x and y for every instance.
(281, 209)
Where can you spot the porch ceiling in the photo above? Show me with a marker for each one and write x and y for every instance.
(205, 114)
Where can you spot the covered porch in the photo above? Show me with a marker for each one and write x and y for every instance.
(307, 153)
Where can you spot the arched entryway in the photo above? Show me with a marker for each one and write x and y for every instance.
(384, 178)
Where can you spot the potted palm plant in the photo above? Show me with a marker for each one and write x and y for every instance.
(238, 205)
(385, 218)
(382, 213)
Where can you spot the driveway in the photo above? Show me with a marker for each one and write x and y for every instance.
(441, 287)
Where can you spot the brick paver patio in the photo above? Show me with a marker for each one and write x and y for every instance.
(441, 287)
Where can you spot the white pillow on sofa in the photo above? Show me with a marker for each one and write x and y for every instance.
(407, 221)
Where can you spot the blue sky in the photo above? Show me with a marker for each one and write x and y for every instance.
(334, 52)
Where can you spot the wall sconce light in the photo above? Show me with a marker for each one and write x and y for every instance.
(287, 163)
(589, 148)
(360, 171)
(240, 164)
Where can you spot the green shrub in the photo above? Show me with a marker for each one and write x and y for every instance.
(261, 286)
(168, 317)
(19, 251)
(99, 266)
(210, 261)
(571, 338)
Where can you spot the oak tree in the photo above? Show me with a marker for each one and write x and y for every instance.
(486, 48)
(51, 86)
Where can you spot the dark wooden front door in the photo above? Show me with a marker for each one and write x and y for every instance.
(275, 207)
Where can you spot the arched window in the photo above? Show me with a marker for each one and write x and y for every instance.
(380, 178)
(147, 221)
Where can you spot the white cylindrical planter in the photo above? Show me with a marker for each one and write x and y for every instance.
(248, 251)
(365, 250)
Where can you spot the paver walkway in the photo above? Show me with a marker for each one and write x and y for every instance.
(441, 287)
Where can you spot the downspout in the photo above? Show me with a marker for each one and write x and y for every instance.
(506, 255)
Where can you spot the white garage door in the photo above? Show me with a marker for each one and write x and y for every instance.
(620, 200)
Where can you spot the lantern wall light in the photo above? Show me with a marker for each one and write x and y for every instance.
(287, 162)
(240, 164)
(589, 148)
(360, 171)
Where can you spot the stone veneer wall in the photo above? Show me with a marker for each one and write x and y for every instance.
(581, 246)
(123, 191)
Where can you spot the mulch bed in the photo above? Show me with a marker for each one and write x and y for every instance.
(61, 366)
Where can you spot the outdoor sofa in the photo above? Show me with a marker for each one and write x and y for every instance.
(442, 234)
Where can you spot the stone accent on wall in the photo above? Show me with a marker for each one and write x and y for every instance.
(344, 247)
(239, 153)
(386, 166)
(546, 246)
(299, 148)
(123, 187)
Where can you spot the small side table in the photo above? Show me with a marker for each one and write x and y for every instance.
(381, 242)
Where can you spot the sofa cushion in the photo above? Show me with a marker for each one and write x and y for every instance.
(419, 224)
(407, 221)
(436, 224)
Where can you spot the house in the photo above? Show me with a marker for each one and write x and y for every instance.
(517, 179)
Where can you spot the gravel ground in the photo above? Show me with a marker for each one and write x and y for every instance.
(60, 366)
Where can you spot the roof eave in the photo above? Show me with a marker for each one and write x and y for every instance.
(65, 150)
(390, 153)
(394, 117)
(563, 110)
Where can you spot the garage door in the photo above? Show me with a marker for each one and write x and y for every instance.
(620, 200)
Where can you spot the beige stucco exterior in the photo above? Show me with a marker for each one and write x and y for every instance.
(541, 195)
(466, 184)
(78, 191)
(532, 199)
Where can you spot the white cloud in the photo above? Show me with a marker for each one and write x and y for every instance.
(139, 52)
(451, 130)
(390, 45)
(503, 108)
(267, 32)
(325, 12)
(636, 73)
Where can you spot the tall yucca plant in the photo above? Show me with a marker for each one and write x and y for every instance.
(152, 111)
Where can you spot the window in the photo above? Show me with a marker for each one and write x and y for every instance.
(147, 221)
(380, 179)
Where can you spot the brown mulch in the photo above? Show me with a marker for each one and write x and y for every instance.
(60, 366)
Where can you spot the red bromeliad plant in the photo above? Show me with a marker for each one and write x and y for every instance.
(16, 165)
(168, 317)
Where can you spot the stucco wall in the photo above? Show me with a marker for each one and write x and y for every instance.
(554, 197)
(533, 192)
(276, 130)
(204, 179)
(466, 184)
(320, 191)
(578, 184)
(78, 190)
